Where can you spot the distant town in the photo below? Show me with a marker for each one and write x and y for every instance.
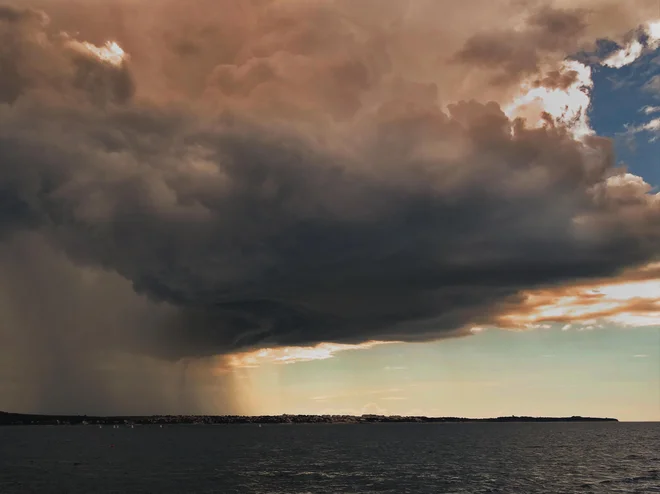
(29, 419)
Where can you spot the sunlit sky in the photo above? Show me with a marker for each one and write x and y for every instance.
(608, 371)
(331, 207)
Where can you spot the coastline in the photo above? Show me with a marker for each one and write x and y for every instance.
(39, 419)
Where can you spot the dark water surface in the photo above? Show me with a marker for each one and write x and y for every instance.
(396, 458)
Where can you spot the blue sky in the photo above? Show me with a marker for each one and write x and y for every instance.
(617, 100)
(610, 371)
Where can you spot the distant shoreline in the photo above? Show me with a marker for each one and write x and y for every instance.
(34, 419)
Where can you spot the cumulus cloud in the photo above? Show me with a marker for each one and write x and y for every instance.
(560, 97)
(624, 56)
(645, 39)
(287, 174)
(521, 52)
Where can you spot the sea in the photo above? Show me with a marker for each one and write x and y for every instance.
(456, 458)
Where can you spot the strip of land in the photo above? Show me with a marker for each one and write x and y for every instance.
(29, 419)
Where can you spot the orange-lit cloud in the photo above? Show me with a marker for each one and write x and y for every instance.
(631, 301)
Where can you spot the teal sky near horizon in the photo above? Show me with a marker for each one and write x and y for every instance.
(604, 372)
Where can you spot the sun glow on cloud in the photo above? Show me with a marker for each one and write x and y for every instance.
(566, 105)
(111, 52)
(634, 302)
(292, 355)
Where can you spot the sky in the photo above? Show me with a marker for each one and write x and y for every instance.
(409, 207)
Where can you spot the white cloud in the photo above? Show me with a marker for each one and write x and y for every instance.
(648, 110)
(635, 49)
(567, 106)
(651, 126)
(624, 56)
(653, 32)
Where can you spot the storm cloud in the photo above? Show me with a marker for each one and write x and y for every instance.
(284, 175)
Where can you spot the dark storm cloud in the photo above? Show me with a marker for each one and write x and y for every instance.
(311, 191)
